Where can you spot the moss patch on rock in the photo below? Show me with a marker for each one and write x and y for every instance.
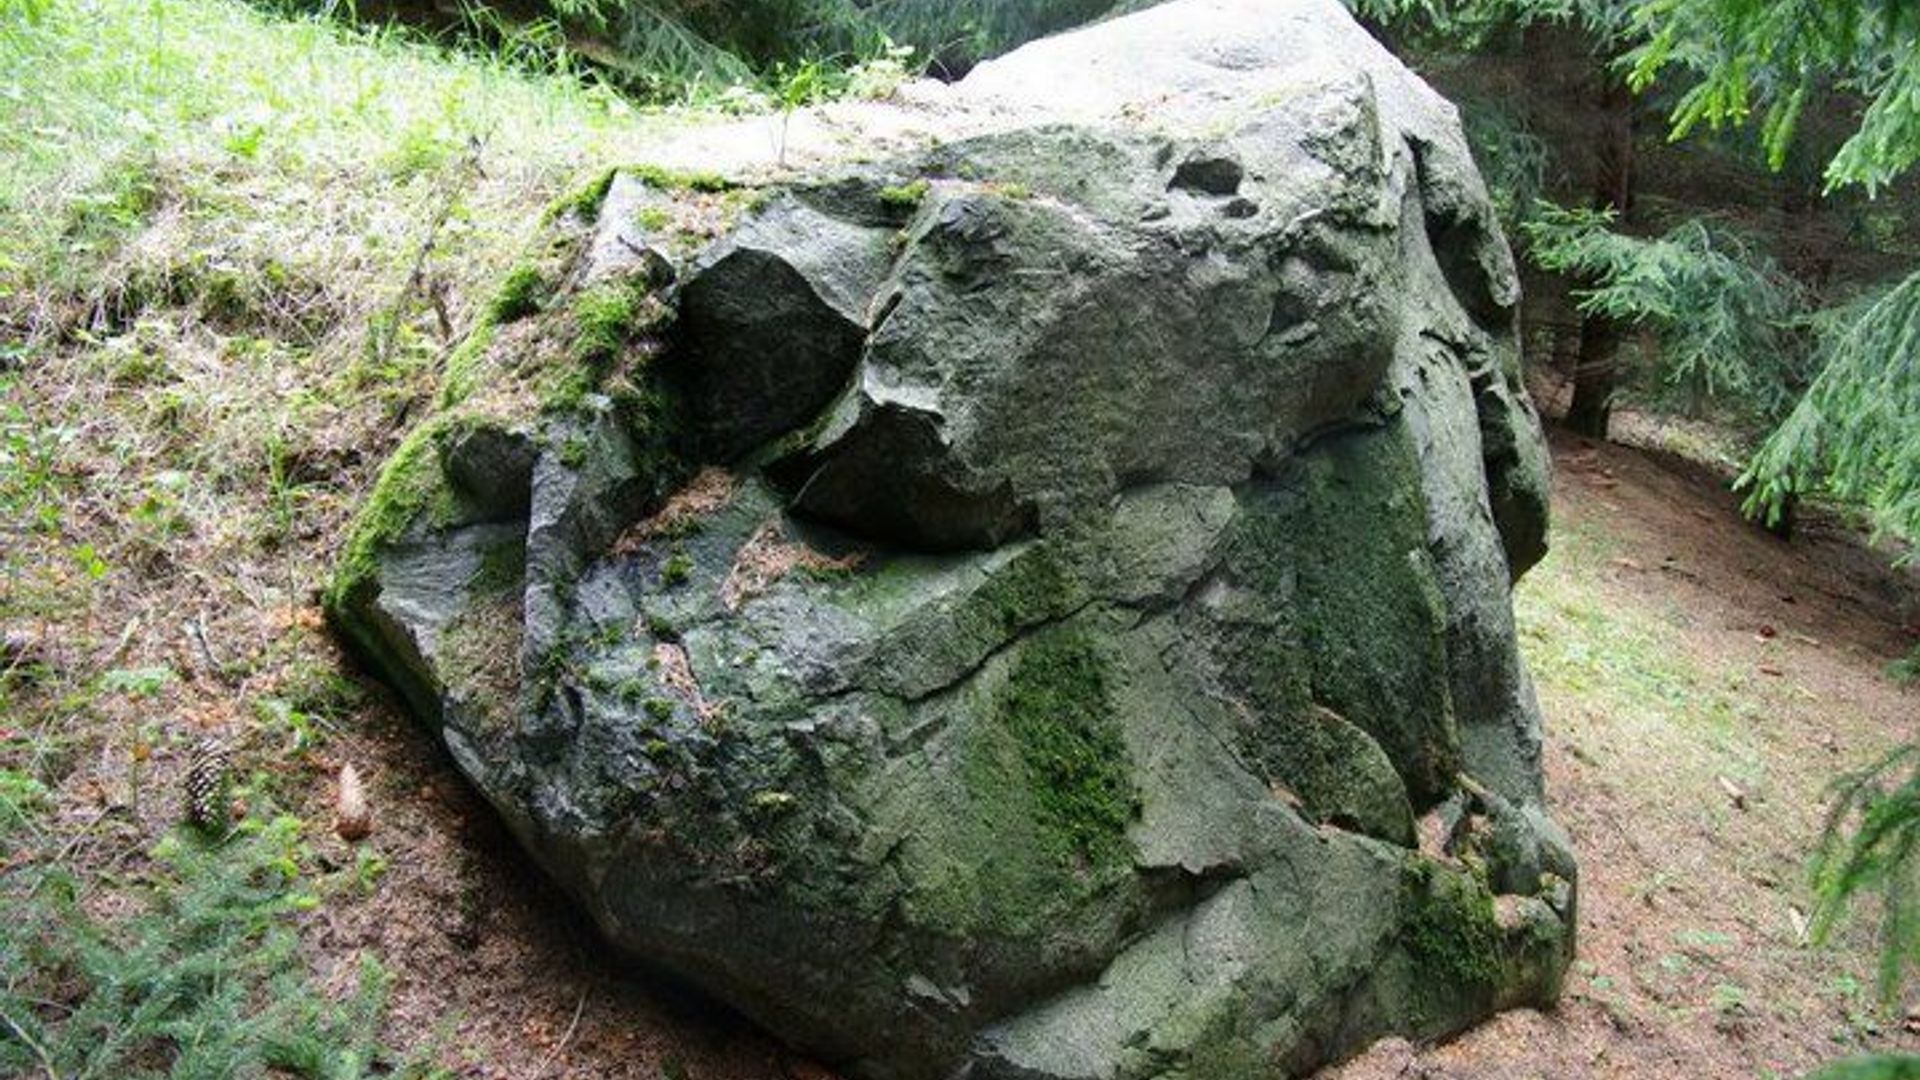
(1347, 536)
(521, 293)
(1450, 930)
(1056, 709)
(410, 484)
(584, 200)
(608, 316)
(479, 657)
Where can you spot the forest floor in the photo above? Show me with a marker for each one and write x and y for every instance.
(232, 253)
(1703, 683)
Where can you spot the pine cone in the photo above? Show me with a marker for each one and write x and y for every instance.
(206, 784)
(353, 815)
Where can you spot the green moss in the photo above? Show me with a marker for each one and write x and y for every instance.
(1345, 536)
(659, 708)
(1033, 587)
(521, 293)
(583, 201)
(655, 176)
(1055, 707)
(462, 372)
(905, 196)
(479, 656)
(602, 316)
(654, 218)
(1450, 930)
(1046, 781)
(502, 566)
(607, 317)
(677, 569)
(1339, 773)
(411, 483)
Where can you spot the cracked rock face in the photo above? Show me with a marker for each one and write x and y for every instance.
(1034, 608)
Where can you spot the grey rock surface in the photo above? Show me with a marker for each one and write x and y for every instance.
(1034, 607)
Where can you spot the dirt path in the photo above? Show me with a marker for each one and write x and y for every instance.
(1685, 658)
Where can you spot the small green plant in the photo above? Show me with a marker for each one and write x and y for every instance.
(904, 196)
(203, 978)
(138, 682)
(369, 866)
(21, 798)
(879, 75)
(294, 729)
(159, 514)
(677, 569)
(1729, 998)
(1906, 671)
(30, 453)
(795, 87)
(1871, 1067)
(1871, 843)
(88, 560)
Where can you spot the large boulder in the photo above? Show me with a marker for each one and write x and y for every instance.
(1036, 607)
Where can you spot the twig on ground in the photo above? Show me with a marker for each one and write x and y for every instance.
(565, 1038)
(39, 1051)
(196, 634)
(120, 647)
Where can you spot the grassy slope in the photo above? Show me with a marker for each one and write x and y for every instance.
(233, 250)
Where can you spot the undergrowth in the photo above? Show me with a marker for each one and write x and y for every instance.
(203, 977)
(1634, 670)
(201, 153)
(1871, 846)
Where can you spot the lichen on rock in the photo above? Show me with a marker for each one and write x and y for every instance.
(1037, 604)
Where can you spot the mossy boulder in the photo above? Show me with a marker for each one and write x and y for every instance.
(1036, 605)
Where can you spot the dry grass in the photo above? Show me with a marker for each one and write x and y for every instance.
(707, 492)
(768, 556)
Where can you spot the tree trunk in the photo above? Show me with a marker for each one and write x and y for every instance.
(1594, 375)
(1597, 372)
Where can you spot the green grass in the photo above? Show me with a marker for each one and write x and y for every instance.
(241, 159)
(1631, 666)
